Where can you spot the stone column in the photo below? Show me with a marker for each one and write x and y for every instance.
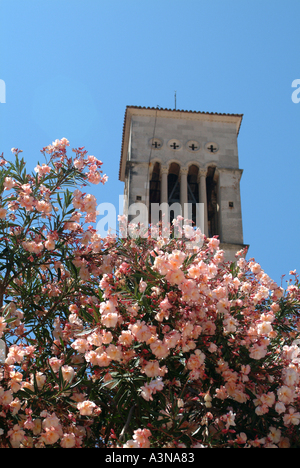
(203, 196)
(183, 188)
(164, 184)
(230, 216)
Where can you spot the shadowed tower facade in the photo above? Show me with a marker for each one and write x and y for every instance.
(184, 157)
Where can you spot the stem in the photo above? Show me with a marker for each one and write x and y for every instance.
(125, 428)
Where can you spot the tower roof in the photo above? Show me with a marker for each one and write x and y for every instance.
(169, 113)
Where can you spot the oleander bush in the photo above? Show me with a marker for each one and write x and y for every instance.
(133, 341)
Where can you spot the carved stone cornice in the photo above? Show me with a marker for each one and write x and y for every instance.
(227, 170)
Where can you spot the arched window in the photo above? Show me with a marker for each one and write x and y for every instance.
(173, 188)
(155, 187)
(212, 201)
(173, 184)
(193, 189)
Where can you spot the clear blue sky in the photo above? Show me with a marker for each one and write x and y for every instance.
(71, 67)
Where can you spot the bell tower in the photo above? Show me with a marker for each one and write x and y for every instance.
(184, 157)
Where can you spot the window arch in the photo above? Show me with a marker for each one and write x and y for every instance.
(193, 189)
(173, 184)
(212, 201)
(155, 186)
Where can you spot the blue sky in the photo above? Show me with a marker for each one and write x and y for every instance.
(72, 66)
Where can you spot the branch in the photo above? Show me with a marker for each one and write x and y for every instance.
(125, 428)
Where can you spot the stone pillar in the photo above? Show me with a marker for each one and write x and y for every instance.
(230, 217)
(164, 184)
(183, 188)
(203, 196)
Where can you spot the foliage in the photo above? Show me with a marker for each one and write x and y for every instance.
(133, 342)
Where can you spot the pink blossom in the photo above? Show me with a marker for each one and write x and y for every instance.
(50, 436)
(8, 183)
(141, 436)
(49, 244)
(68, 373)
(55, 364)
(126, 338)
(110, 320)
(42, 170)
(43, 207)
(68, 440)
(3, 326)
(160, 349)
(213, 243)
(114, 352)
(16, 435)
(196, 360)
(152, 369)
(131, 444)
(3, 213)
(81, 345)
(285, 394)
(292, 417)
(142, 286)
(86, 408)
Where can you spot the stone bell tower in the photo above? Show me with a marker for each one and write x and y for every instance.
(174, 156)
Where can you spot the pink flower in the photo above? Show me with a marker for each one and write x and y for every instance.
(175, 276)
(141, 436)
(94, 177)
(9, 183)
(86, 408)
(43, 207)
(16, 435)
(107, 307)
(126, 338)
(27, 202)
(142, 286)
(81, 345)
(110, 320)
(141, 331)
(151, 388)
(33, 247)
(50, 436)
(146, 392)
(213, 243)
(3, 325)
(68, 373)
(291, 418)
(3, 213)
(176, 258)
(196, 360)
(189, 231)
(49, 244)
(79, 163)
(6, 398)
(152, 369)
(103, 360)
(285, 394)
(114, 352)
(257, 352)
(160, 349)
(229, 419)
(131, 444)
(55, 364)
(68, 440)
(42, 170)
(90, 203)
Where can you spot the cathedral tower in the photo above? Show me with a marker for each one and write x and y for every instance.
(176, 156)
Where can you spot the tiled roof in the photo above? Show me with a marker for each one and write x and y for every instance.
(165, 111)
